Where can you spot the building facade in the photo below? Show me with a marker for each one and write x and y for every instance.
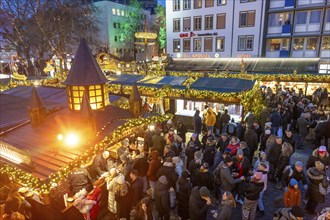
(297, 28)
(111, 16)
(214, 28)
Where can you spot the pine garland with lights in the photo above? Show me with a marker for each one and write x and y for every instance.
(253, 101)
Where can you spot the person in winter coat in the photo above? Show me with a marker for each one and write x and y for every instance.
(210, 151)
(79, 178)
(199, 201)
(262, 168)
(197, 123)
(16, 206)
(258, 129)
(158, 142)
(100, 163)
(316, 176)
(145, 210)
(210, 120)
(324, 99)
(288, 137)
(302, 126)
(275, 119)
(223, 212)
(141, 165)
(126, 166)
(95, 195)
(273, 155)
(250, 118)
(294, 213)
(223, 142)
(182, 130)
(154, 166)
(218, 125)
(193, 145)
(172, 137)
(263, 139)
(225, 118)
(319, 154)
(119, 189)
(168, 170)
(168, 152)
(262, 159)
(162, 198)
(296, 172)
(111, 183)
(178, 163)
(183, 195)
(283, 160)
(204, 177)
(227, 181)
(124, 148)
(195, 164)
(241, 164)
(251, 139)
(233, 146)
(251, 192)
(325, 214)
(292, 196)
(240, 130)
(136, 189)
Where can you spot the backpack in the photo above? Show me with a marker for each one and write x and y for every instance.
(288, 167)
(217, 175)
(231, 128)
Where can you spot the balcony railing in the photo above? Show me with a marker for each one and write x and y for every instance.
(286, 29)
(284, 53)
(289, 3)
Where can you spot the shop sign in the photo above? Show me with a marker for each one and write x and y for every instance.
(204, 55)
(207, 34)
(191, 34)
(244, 56)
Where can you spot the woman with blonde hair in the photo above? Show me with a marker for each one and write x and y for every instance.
(222, 212)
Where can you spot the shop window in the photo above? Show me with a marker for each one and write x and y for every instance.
(176, 45)
(220, 43)
(198, 23)
(298, 43)
(186, 24)
(186, 4)
(176, 25)
(221, 21)
(312, 43)
(247, 19)
(197, 4)
(273, 44)
(176, 5)
(208, 44)
(186, 45)
(208, 22)
(197, 44)
(209, 3)
(222, 2)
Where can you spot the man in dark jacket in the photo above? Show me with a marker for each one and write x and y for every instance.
(296, 172)
(182, 130)
(223, 142)
(264, 138)
(124, 148)
(136, 187)
(204, 177)
(227, 181)
(275, 119)
(225, 118)
(240, 130)
(319, 154)
(258, 129)
(183, 195)
(251, 139)
(197, 123)
(79, 178)
(273, 155)
(251, 192)
(158, 142)
(288, 137)
(210, 151)
(193, 145)
(141, 165)
(100, 163)
(154, 166)
(199, 202)
(162, 198)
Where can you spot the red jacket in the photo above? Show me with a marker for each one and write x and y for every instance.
(154, 166)
(94, 195)
(232, 148)
(292, 197)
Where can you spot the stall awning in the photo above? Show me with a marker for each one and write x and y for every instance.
(149, 81)
(253, 65)
(224, 85)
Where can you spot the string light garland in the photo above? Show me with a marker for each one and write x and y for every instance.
(110, 142)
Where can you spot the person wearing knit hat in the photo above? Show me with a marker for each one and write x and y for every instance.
(240, 152)
(120, 179)
(162, 197)
(292, 195)
(297, 212)
(204, 192)
(241, 164)
(319, 154)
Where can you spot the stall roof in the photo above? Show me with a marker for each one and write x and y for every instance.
(149, 81)
(253, 65)
(224, 85)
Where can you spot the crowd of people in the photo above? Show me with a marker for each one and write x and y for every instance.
(220, 166)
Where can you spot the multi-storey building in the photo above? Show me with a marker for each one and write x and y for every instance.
(297, 28)
(111, 16)
(214, 28)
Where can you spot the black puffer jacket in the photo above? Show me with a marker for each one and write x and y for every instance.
(251, 139)
(315, 157)
(168, 170)
(197, 206)
(204, 178)
(251, 190)
(316, 177)
(162, 198)
(274, 153)
(292, 172)
(183, 197)
(283, 160)
(209, 154)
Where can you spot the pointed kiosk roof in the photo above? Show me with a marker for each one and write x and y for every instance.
(85, 70)
(135, 95)
(35, 100)
(85, 107)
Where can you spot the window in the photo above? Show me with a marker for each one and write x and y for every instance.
(208, 22)
(186, 45)
(326, 43)
(302, 17)
(186, 24)
(315, 17)
(209, 3)
(328, 16)
(114, 11)
(122, 13)
(114, 25)
(176, 5)
(277, 44)
(245, 43)
(221, 21)
(176, 45)
(118, 12)
(197, 44)
(279, 19)
(298, 43)
(220, 43)
(198, 23)
(222, 2)
(186, 4)
(244, 1)
(197, 4)
(208, 44)
(176, 25)
(247, 19)
(116, 38)
(312, 43)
